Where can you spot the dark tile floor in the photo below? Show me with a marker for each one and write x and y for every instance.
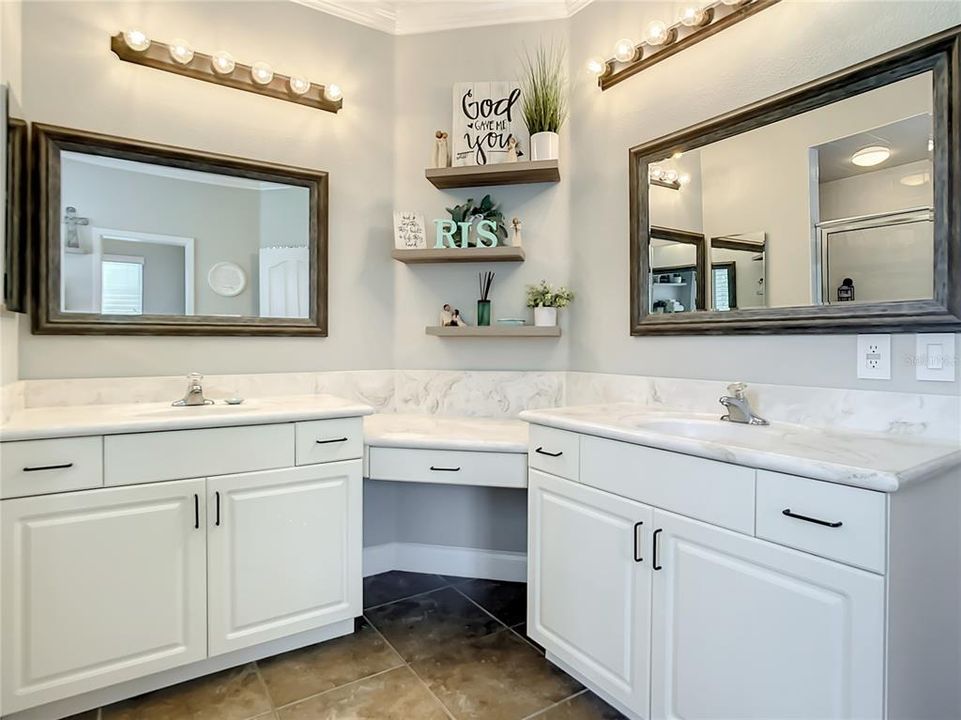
(429, 647)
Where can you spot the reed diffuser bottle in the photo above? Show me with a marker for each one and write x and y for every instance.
(484, 281)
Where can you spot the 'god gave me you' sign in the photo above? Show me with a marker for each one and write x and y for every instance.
(486, 115)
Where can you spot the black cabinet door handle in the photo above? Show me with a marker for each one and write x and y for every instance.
(196, 511)
(444, 469)
(637, 545)
(542, 451)
(217, 503)
(38, 468)
(805, 518)
(332, 440)
(656, 565)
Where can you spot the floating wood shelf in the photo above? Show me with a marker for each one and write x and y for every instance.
(458, 255)
(504, 331)
(542, 171)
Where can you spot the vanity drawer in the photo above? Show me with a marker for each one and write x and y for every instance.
(449, 467)
(321, 441)
(40, 467)
(179, 454)
(836, 521)
(715, 492)
(554, 451)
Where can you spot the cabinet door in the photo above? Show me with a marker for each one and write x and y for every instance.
(589, 585)
(284, 552)
(99, 587)
(746, 629)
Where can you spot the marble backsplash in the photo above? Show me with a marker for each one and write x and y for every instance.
(507, 393)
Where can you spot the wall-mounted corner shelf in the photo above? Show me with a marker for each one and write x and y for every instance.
(517, 173)
(460, 255)
(503, 331)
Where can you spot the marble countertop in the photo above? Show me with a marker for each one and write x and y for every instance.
(436, 432)
(876, 461)
(73, 421)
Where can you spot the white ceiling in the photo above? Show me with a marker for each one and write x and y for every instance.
(907, 139)
(409, 17)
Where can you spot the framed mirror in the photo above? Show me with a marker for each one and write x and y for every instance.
(136, 238)
(15, 215)
(833, 207)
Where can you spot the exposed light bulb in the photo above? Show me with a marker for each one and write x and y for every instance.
(136, 40)
(871, 156)
(684, 178)
(657, 33)
(693, 16)
(670, 176)
(677, 155)
(656, 172)
(261, 73)
(222, 63)
(733, 3)
(181, 51)
(625, 50)
(333, 92)
(298, 85)
(596, 66)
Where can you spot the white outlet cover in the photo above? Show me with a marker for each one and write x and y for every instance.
(935, 357)
(874, 357)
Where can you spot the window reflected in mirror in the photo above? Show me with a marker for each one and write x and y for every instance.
(828, 206)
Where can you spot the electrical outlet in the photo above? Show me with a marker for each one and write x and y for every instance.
(874, 357)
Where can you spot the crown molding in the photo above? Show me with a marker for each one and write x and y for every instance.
(411, 18)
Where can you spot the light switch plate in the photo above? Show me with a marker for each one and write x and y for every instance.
(874, 357)
(935, 358)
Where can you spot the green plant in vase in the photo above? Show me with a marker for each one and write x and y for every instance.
(545, 300)
(544, 93)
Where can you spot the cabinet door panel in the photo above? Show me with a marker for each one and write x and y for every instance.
(99, 587)
(746, 629)
(285, 556)
(589, 600)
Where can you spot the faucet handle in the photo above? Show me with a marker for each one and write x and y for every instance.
(737, 389)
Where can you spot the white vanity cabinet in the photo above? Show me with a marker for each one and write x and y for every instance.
(783, 597)
(101, 586)
(110, 586)
(283, 551)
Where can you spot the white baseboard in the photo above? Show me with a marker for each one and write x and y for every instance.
(445, 560)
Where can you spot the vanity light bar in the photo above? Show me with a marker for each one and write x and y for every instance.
(696, 23)
(177, 57)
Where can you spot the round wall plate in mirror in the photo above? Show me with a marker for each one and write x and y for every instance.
(227, 279)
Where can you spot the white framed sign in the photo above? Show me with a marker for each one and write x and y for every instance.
(486, 115)
(409, 230)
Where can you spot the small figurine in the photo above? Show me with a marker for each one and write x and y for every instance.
(458, 320)
(846, 290)
(446, 316)
(512, 149)
(440, 158)
(516, 240)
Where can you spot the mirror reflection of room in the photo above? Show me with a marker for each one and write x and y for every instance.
(832, 205)
(145, 239)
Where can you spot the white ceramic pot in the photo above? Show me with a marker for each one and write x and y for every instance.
(545, 316)
(545, 146)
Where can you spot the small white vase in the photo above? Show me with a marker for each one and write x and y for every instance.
(545, 146)
(545, 316)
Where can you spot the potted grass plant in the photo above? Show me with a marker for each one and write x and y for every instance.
(544, 99)
(545, 300)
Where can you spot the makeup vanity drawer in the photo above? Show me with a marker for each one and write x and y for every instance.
(449, 467)
(321, 441)
(835, 521)
(708, 490)
(554, 451)
(40, 467)
(180, 454)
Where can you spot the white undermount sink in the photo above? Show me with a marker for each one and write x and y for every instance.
(696, 428)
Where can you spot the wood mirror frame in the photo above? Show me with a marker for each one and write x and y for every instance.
(49, 141)
(700, 257)
(15, 247)
(940, 55)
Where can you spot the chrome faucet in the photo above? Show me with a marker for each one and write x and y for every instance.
(195, 393)
(739, 407)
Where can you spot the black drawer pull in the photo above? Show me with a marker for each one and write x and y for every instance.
(805, 518)
(443, 469)
(542, 451)
(196, 511)
(637, 556)
(332, 440)
(38, 468)
(217, 498)
(654, 552)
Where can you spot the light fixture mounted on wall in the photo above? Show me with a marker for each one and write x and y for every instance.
(697, 20)
(179, 57)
